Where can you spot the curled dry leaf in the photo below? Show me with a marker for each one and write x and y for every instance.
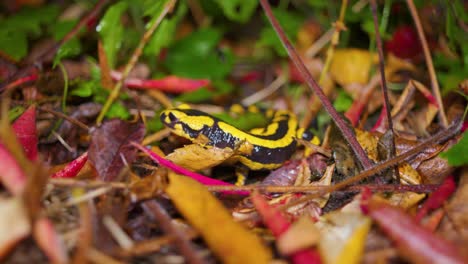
(25, 130)
(229, 240)
(110, 147)
(14, 224)
(343, 236)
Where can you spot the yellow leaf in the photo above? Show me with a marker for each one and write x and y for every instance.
(343, 236)
(229, 240)
(195, 157)
(351, 66)
(301, 235)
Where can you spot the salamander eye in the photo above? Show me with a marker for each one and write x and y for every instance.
(307, 135)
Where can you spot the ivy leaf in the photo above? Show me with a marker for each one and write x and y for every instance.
(238, 10)
(111, 31)
(186, 56)
(456, 155)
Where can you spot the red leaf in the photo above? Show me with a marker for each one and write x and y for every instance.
(73, 168)
(110, 144)
(25, 130)
(171, 84)
(415, 243)
(278, 224)
(437, 198)
(12, 176)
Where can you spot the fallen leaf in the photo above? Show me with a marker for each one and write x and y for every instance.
(110, 147)
(72, 168)
(343, 236)
(437, 198)
(12, 176)
(302, 234)
(25, 130)
(49, 241)
(229, 240)
(278, 225)
(195, 157)
(14, 224)
(414, 242)
(351, 66)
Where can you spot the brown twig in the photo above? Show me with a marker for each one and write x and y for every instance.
(430, 66)
(133, 60)
(383, 82)
(340, 123)
(52, 50)
(436, 139)
(156, 212)
(420, 188)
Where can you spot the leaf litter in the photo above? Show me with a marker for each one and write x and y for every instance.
(90, 174)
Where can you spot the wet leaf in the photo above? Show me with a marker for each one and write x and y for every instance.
(110, 146)
(227, 238)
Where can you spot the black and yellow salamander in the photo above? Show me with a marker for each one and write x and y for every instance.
(270, 146)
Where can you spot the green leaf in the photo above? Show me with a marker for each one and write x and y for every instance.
(203, 94)
(290, 22)
(15, 112)
(14, 43)
(118, 110)
(165, 33)
(111, 31)
(342, 102)
(457, 155)
(238, 10)
(153, 10)
(70, 49)
(196, 56)
(84, 89)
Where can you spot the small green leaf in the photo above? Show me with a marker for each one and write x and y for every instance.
(457, 155)
(342, 102)
(111, 31)
(118, 110)
(84, 89)
(15, 112)
(238, 10)
(70, 49)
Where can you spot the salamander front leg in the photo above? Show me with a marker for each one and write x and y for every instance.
(241, 174)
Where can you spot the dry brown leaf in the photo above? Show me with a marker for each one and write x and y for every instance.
(229, 240)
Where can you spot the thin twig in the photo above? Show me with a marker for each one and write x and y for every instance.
(420, 188)
(340, 123)
(52, 50)
(133, 60)
(64, 116)
(155, 211)
(430, 66)
(383, 82)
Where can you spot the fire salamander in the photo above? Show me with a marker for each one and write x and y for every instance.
(270, 147)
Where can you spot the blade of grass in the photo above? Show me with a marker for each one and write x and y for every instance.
(430, 66)
(340, 123)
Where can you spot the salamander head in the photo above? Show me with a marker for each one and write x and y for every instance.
(187, 123)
